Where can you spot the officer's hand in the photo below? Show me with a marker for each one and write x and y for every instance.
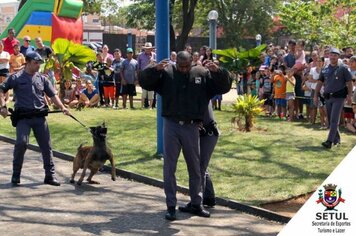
(3, 112)
(211, 66)
(162, 64)
(66, 111)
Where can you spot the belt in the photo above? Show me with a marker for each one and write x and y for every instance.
(183, 122)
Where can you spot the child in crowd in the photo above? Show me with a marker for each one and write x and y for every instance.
(266, 84)
(309, 88)
(299, 55)
(279, 91)
(107, 76)
(290, 94)
(67, 97)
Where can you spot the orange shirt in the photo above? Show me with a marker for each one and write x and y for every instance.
(279, 84)
(16, 61)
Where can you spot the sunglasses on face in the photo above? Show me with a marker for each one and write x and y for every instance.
(28, 40)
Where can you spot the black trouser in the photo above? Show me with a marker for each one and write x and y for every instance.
(42, 135)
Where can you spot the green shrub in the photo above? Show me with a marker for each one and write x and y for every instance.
(246, 107)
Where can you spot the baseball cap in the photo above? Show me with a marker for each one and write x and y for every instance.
(129, 50)
(34, 56)
(335, 50)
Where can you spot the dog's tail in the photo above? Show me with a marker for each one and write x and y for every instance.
(80, 146)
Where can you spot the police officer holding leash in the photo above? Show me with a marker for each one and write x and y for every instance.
(30, 88)
(185, 92)
(337, 82)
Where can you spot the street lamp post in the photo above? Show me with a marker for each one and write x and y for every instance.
(129, 38)
(258, 40)
(212, 17)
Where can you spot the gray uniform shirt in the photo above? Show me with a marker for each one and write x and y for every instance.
(29, 89)
(334, 78)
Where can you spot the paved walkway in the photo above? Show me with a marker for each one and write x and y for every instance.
(111, 208)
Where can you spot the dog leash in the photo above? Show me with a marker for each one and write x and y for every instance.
(71, 116)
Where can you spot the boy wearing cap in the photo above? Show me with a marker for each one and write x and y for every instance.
(337, 81)
(128, 72)
(30, 111)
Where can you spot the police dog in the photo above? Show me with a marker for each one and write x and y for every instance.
(93, 157)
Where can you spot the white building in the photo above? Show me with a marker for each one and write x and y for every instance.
(8, 11)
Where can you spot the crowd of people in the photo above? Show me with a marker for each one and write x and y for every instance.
(287, 79)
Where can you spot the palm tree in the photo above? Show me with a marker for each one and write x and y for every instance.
(68, 55)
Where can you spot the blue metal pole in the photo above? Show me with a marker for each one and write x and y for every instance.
(162, 51)
(212, 34)
(129, 40)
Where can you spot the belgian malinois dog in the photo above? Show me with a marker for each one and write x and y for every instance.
(93, 157)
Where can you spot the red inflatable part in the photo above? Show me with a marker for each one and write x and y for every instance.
(68, 28)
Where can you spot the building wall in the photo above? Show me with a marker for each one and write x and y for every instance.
(8, 10)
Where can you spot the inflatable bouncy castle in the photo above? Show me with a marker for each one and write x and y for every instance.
(49, 19)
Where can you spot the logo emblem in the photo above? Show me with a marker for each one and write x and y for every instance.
(197, 80)
(330, 197)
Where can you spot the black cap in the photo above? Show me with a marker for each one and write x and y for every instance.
(34, 56)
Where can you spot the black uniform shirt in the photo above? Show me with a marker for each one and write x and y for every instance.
(185, 96)
(29, 89)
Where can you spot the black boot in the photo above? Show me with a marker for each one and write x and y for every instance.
(210, 202)
(326, 144)
(195, 210)
(171, 214)
(15, 179)
(186, 208)
(199, 211)
(52, 180)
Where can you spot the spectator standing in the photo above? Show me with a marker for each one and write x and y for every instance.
(42, 49)
(129, 72)
(10, 41)
(290, 94)
(279, 91)
(26, 45)
(106, 54)
(116, 64)
(107, 76)
(144, 59)
(17, 60)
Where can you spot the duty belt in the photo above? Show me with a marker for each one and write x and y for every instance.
(183, 122)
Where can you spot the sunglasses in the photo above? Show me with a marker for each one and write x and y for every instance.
(28, 41)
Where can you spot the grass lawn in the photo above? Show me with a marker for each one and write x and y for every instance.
(283, 161)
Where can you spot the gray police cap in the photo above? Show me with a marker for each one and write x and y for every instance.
(34, 56)
(335, 50)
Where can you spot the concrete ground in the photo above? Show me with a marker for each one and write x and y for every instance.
(111, 208)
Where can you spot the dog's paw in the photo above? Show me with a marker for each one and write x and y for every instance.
(113, 178)
(79, 183)
(72, 181)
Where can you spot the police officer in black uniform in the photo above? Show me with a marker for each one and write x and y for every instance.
(209, 134)
(185, 92)
(337, 82)
(30, 111)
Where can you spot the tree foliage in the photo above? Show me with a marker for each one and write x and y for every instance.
(238, 61)
(243, 19)
(327, 22)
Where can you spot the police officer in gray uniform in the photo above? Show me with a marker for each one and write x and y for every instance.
(185, 92)
(337, 86)
(30, 111)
